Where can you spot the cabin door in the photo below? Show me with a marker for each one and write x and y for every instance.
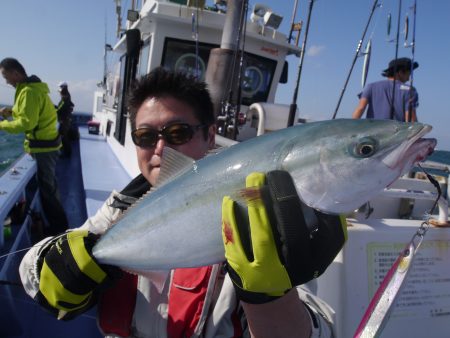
(127, 74)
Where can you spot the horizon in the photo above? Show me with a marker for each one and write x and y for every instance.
(75, 111)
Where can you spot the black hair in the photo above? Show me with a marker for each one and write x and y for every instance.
(390, 72)
(161, 82)
(12, 64)
(64, 91)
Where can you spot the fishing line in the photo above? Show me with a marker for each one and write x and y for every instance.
(437, 186)
(377, 19)
(6, 282)
(20, 250)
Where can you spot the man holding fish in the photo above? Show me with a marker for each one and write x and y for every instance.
(269, 242)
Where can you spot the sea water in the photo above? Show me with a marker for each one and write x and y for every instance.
(11, 147)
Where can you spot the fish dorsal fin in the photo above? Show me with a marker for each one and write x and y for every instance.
(173, 164)
(215, 151)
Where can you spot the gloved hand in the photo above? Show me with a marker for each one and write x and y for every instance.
(280, 243)
(70, 277)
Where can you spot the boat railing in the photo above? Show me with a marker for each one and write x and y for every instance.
(12, 187)
(270, 116)
(421, 195)
(436, 166)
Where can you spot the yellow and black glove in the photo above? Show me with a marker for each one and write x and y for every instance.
(70, 277)
(278, 242)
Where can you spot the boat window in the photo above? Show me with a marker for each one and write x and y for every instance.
(257, 78)
(180, 2)
(180, 55)
(143, 58)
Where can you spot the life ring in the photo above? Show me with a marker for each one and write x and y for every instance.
(186, 63)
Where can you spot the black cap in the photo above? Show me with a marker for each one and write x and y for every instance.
(399, 64)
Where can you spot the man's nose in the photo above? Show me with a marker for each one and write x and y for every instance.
(160, 144)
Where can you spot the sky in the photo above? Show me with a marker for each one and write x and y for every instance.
(62, 40)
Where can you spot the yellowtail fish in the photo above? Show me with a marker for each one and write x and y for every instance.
(336, 165)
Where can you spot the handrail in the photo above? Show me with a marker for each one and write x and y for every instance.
(420, 195)
(257, 109)
(12, 186)
(435, 165)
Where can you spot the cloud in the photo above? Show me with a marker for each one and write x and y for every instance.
(315, 50)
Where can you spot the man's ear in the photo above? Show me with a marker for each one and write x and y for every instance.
(212, 135)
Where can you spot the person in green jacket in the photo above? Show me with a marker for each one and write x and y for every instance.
(34, 114)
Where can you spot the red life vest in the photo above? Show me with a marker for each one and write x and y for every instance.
(186, 301)
(116, 306)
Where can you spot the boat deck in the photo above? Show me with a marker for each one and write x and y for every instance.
(85, 181)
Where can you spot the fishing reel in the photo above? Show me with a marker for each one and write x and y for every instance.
(229, 120)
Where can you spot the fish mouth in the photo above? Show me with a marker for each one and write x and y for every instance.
(412, 150)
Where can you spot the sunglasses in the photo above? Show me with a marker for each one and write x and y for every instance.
(174, 134)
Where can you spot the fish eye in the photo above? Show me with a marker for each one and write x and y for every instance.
(365, 147)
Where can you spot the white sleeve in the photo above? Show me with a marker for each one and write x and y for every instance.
(104, 217)
(28, 269)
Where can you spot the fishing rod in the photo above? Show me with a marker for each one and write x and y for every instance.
(358, 49)
(293, 106)
(241, 68)
(292, 21)
(230, 107)
(413, 49)
(194, 29)
(396, 56)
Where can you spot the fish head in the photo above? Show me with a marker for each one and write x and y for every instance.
(342, 164)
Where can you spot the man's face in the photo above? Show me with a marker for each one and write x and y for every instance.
(12, 77)
(157, 113)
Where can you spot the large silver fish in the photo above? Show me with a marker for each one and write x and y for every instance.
(336, 165)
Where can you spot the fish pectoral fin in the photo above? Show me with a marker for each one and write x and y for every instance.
(248, 196)
(173, 164)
